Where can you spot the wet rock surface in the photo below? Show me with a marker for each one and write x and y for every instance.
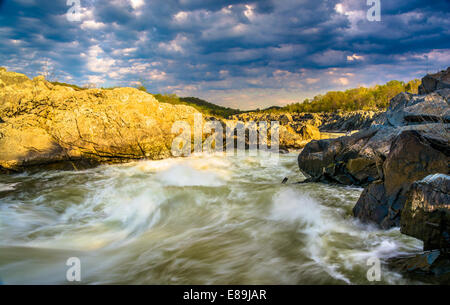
(403, 160)
(413, 155)
(430, 266)
(426, 213)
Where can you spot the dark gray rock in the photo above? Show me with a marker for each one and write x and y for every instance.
(426, 214)
(413, 156)
(433, 82)
(347, 160)
(431, 267)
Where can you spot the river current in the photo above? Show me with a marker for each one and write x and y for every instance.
(205, 219)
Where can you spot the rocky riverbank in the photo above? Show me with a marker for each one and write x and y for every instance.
(331, 122)
(45, 125)
(394, 159)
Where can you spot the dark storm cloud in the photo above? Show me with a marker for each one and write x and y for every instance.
(284, 48)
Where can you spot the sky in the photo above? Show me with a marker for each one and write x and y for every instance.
(240, 54)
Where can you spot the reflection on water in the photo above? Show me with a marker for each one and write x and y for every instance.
(206, 219)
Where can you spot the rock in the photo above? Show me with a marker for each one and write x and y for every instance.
(433, 82)
(393, 153)
(373, 206)
(433, 266)
(314, 119)
(426, 213)
(289, 139)
(309, 132)
(408, 109)
(285, 119)
(336, 122)
(413, 155)
(47, 124)
(349, 121)
(294, 133)
(347, 160)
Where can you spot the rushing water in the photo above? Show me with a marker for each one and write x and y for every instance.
(206, 219)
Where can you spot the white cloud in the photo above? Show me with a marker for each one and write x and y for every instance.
(339, 8)
(92, 25)
(249, 12)
(341, 81)
(181, 16)
(157, 75)
(124, 52)
(355, 57)
(95, 79)
(174, 46)
(97, 60)
(135, 4)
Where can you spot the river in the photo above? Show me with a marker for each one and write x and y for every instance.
(204, 219)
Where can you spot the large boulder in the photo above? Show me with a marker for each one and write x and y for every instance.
(309, 132)
(433, 82)
(47, 124)
(431, 266)
(407, 143)
(349, 121)
(409, 109)
(289, 139)
(285, 119)
(412, 156)
(426, 213)
(314, 119)
(347, 160)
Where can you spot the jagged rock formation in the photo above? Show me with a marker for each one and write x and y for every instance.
(433, 82)
(426, 213)
(294, 134)
(348, 121)
(332, 122)
(54, 126)
(413, 156)
(431, 266)
(45, 124)
(403, 160)
(347, 160)
(410, 142)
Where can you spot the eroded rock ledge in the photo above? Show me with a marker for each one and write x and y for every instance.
(45, 124)
(410, 143)
(403, 162)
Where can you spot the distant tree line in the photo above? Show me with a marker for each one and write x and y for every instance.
(199, 104)
(374, 98)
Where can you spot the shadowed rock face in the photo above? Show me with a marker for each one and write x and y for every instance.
(409, 142)
(432, 267)
(347, 160)
(412, 157)
(408, 109)
(49, 124)
(433, 82)
(426, 213)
